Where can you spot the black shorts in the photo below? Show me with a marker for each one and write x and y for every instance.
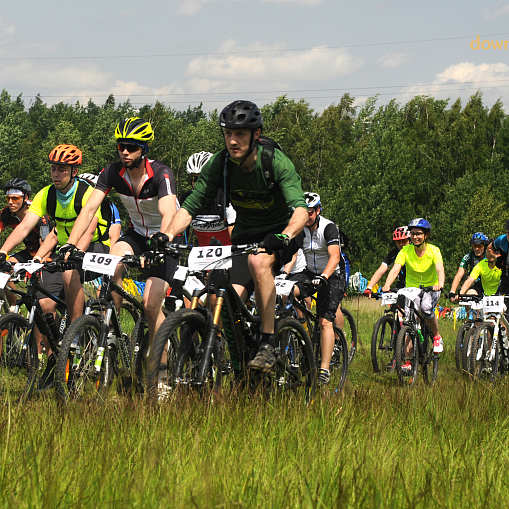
(53, 283)
(328, 296)
(95, 247)
(138, 243)
(342, 286)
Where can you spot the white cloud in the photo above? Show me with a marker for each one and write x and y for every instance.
(467, 71)
(273, 63)
(394, 59)
(191, 7)
(495, 11)
(6, 27)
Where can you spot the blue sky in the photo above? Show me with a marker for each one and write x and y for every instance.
(184, 52)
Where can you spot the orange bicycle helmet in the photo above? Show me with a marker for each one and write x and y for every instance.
(66, 154)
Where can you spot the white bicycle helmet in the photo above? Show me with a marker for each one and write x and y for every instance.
(312, 200)
(90, 177)
(197, 161)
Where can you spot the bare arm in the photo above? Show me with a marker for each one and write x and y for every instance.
(334, 256)
(181, 220)
(297, 222)
(393, 274)
(114, 232)
(377, 275)
(88, 236)
(441, 276)
(86, 216)
(47, 246)
(289, 266)
(467, 284)
(167, 206)
(19, 233)
(457, 278)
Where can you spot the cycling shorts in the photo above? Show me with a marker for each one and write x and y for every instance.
(327, 298)
(425, 303)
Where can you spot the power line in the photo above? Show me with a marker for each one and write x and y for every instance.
(246, 52)
(204, 94)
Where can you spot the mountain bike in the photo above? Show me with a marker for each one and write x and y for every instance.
(385, 333)
(350, 332)
(197, 363)
(95, 348)
(19, 352)
(489, 350)
(467, 330)
(415, 344)
(339, 362)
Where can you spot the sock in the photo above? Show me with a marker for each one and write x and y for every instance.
(267, 337)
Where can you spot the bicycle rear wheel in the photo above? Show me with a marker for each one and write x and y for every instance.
(460, 343)
(382, 354)
(295, 368)
(350, 331)
(407, 352)
(83, 368)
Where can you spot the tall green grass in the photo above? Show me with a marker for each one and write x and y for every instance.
(378, 445)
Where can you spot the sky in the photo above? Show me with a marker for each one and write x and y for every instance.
(187, 52)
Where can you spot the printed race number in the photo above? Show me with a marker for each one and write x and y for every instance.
(3, 279)
(101, 263)
(210, 257)
(180, 273)
(283, 287)
(389, 298)
(494, 304)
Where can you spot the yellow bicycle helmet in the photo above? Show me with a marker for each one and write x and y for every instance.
(135, 131)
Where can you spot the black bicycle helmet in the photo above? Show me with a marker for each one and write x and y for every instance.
(17, 183)
(241, 115)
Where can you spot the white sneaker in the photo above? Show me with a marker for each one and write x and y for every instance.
(438, 344)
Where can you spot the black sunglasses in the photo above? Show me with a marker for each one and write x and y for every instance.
(129, 148)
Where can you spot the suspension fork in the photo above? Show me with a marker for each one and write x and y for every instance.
(210, 336)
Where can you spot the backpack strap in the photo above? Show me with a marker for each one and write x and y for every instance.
(227, 176)
(51, 202)
(268, 166)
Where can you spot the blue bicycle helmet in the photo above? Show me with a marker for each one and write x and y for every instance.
(479, 238)
(419, 223)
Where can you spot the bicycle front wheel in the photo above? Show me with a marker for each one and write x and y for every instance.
(480, 364)
(83, 368)
(350, 331)
(382, 354)
(407, 357)
(460, 344)
(295, 369)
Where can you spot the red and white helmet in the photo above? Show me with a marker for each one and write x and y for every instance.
(401, 233)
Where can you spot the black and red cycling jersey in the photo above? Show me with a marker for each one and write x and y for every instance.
(143, 209)
(34, 239)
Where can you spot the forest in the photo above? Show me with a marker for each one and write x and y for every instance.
(375, 166)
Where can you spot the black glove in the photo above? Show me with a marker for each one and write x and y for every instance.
(3, 257)
(158, 240)
(152, 258)
(452, 295)
(275, 241)
(5, 266)
(67, 248)
(319, 280)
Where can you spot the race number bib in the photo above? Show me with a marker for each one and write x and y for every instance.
(193, 283)
(3, 279)
(29, 267)
(101, 263)
(493, 304)
(180, 273)
(476, 306)
(283, 287)
(210, 257)
(389, 298)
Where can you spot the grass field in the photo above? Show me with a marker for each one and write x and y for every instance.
(378, 445)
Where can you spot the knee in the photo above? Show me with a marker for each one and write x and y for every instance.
(152, 308)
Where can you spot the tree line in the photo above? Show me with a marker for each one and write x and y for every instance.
(375, 166)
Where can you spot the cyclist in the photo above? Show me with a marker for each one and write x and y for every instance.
(17, 192)
(501, 247)
(274, 212)
(489, 274)
(60, 201)
(147, 190)
(322, 252)
(479, 241)
(424, 267)
(401, 236)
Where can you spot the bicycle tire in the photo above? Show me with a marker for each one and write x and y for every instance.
(381, 350)
(180, 337)
(478, 364)
(409, 379)
(430, 358)
(350, 332)
(496, 362)
(76, 375)
(467, 346)
(128, 317)
(13, 357)
(340, 359)
(295, 365)
(460, 343)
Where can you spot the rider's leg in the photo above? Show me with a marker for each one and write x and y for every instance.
(153, 299)
(326, 342)
(121, 249)
(74, 294)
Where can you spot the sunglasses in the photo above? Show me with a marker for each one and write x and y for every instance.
(14, 198)
(311, 211)
(129, 148)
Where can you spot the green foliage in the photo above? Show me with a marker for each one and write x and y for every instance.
(376, 167)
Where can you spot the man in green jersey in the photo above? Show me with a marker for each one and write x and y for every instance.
(488, 272)
(270, 212)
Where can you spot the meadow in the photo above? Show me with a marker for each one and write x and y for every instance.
(377, 445)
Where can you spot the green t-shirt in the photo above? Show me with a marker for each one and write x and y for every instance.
(420, 271)
(257, 209)
(490, 278)
(68, 215)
